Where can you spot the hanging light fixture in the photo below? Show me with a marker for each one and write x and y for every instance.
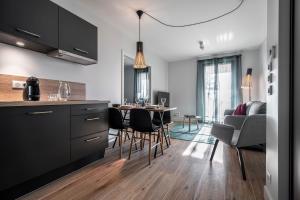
(139, 58)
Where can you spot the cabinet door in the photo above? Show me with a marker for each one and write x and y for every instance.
(34, 140)
(32, 20)
(76, 35)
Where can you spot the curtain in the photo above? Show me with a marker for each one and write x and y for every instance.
(209, 73)
(142, 84)
(200, 97)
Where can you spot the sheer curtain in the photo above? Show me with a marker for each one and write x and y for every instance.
(142, 83)
(218, 86)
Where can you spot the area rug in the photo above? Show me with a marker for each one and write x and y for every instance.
(201, 135)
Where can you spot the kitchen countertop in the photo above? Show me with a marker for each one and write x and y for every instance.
(48, 103)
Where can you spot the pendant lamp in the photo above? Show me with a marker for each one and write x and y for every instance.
(139, 58)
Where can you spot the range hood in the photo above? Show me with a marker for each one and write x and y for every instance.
(72, 57)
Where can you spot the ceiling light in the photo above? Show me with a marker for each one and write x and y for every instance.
(225, 37)
(139, 58)
(20, 44)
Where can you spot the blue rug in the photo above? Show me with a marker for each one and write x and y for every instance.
(201, 135)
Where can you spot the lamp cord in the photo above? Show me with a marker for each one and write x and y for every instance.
(197, 23)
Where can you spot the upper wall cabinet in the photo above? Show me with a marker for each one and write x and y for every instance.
(76, 35)
(43, 26)
(31, 23)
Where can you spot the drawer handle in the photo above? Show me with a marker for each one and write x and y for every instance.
(28, 33)
(89, 109)
(92, 119)
(40, 113)
(81, 51)
(92, 139)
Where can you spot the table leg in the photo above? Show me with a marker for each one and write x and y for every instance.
(161, 115)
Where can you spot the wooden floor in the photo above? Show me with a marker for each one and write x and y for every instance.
(183, 172)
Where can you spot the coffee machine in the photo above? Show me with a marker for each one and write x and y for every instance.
(31, 90)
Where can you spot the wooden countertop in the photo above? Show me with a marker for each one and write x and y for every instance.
(48, 103)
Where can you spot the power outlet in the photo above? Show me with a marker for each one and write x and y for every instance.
(18, 84)
(269, 180)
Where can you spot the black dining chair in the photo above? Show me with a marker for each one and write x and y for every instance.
(167, 121)
(115, 120)
(140, 121)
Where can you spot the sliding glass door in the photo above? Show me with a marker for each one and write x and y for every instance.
(218, 87)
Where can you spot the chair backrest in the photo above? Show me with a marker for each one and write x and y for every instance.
(140, 120)
(253, 131)
(115, 118)
(166, 118)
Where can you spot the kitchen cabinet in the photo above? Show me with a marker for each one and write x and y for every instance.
(40, 139)
(34, 140)
(34, 22)
(77, 35)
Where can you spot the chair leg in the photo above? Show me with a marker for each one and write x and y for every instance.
(130, 149)
(242, 164)
(134, 141)
(116, 139)
(120, 142)
(169, 134)
(149, 154)
(161, 145)
(214, 150)
(157, 141)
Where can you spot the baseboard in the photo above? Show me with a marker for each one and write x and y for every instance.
(267, 194)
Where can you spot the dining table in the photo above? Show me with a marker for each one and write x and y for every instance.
(152, 108)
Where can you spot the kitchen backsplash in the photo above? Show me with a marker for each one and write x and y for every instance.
(7, 93)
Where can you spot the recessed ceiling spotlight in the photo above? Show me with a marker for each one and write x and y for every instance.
(20, 44)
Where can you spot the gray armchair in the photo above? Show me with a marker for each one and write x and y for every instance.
(242, 131)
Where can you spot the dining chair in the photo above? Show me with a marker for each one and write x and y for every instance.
(140, 121)
(115, 120)
(167, 121)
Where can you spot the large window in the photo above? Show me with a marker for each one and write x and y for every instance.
(218, 87)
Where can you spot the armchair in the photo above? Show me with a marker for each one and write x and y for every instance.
(242, 131)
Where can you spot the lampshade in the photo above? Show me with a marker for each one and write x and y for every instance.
(139, 58)
(247, 79)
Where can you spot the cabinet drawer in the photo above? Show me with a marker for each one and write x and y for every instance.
(88, 109)
(83, 125)
(84, 146)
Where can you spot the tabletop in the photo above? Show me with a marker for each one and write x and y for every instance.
(150, 108)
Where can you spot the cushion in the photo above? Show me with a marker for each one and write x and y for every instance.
(257, 107)
(240, 110)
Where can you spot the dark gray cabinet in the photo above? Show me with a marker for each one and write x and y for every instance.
(77, 35)
(34, 140)
(38, 139)
(34, 22)
(43, 26)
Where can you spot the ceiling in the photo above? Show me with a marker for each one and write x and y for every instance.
(246, 28)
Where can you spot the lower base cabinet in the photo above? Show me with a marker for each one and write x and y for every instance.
(36, 140)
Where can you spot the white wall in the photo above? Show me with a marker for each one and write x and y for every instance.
(277, 151)
(255, 59)
(182, 86)
(183, 75)
(103, 79)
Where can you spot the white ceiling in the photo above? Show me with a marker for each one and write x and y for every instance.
(246, 27)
